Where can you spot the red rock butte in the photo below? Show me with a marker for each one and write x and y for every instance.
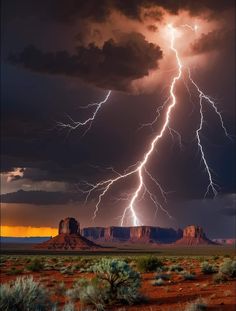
(68, 238)
(194, 235)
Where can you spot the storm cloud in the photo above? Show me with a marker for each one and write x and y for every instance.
(40, 197)
(65, 55)
(114, 66)
(216, 40)
(69, 11)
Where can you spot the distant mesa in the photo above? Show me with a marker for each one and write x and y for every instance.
(139, 234)
(194, 235)
(148, 234)
(225, 241)
(68, 238)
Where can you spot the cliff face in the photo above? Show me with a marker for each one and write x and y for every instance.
(154, 234)
(142, 234)
(117, 233)
(93, 233)
(194, 235)
(193, 232)
(68, 226)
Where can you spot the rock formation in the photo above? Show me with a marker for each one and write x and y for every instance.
(68, 238)
(194, 235)
(225, 241)
(148, 234)
(117, 234)
(69, 226)
(141, 234)
(93, 233)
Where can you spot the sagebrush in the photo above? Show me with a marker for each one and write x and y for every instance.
(24, 295)
(115, 283)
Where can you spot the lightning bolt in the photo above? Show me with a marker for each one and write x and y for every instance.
(212, 185)
(73, 125)
(140, 168)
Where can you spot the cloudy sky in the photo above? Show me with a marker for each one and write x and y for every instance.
(60, 56)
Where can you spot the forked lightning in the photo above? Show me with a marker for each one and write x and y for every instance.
(140, 169)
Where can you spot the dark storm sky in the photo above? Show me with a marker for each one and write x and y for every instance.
(60, 55)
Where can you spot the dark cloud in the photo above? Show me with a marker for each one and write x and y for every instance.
(228, 211)
(113, 66)
(72, 11)
(68, 11)
(39, 197)
(214, 40)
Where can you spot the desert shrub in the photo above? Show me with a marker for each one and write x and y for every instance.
(215, 257)
(162, 269)
(27, 259)
(25, 294)
(54, 259)
(68, 270)
(128, 259)
(69, 307)
(48, 267)
(14, 271)
(60, 289)
(149, 264)
(123, 282)
(158, 282)
(163, 276)
(77, 267)
(228, 267)
(197, 305)
(188, 276)
(207, 268)
(74, 293)
(35, 265)
(176, 268)
(219, 278)
(3, 260)
(92, 292)
(115, 282)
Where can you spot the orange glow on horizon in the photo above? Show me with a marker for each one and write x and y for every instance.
(27, 231)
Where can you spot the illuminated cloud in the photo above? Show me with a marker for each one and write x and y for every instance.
(114, 66)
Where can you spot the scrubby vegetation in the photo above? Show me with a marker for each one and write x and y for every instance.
(98, 283)
(69, 307)
(207, 268)
(176, 268)
(149, 264)
(24, 295)
(14, 271)
(219, 278)
(188, 275)
(198, 305)
(35, 265)
(228, 268)
(158, 282)
(163, 276)
(114, 282)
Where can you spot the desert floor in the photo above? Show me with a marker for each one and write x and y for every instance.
(60, 271)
